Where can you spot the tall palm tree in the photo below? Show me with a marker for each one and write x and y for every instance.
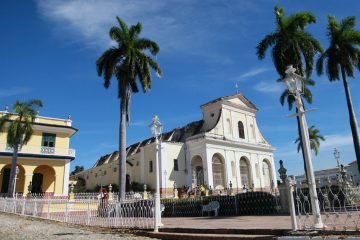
(342, 56)
(315, 137)
(292, 45)
(18, 126)
(127, 62)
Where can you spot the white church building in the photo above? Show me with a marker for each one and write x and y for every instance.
(225, 146)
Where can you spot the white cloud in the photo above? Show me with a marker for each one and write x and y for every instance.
(336, 140)
(13, 91)
(269, 87)
(178, 26)
(252, 73)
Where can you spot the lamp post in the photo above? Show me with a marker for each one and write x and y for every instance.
(156, 129)
(295, 85)
(165, 180)
(337, 157)
(16, 173)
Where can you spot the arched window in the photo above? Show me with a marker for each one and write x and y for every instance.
(197, 171)
(244, 172)
(266, 174)
(241, 130)
(218, 173)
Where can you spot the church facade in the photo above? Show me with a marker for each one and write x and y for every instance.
(225, 149)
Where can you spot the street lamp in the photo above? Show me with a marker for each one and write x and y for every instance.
(295, 84)
(16, 173)
(156, 130)
(337, 157)
(165, 179)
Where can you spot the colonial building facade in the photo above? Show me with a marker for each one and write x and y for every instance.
(44, 162)
(225, 148)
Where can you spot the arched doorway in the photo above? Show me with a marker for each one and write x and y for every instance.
(43, 179)
(218, 172)
(266, 171)
(245, 172)
(20, 179)
(197, 171)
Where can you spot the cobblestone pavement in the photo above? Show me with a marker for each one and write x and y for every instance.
(15, 227)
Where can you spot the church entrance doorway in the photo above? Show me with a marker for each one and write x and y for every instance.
(5, 180)
(37, 181)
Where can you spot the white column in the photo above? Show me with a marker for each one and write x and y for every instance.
(273, 171)
(261, 174)
(163, 163)
(253, 178)
(188, 165)
(237, 170)
(142, 162)
(228, 169)
(207, 163)
(66, 177)
(247, 128)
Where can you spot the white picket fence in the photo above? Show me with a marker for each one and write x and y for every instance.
(90, 211)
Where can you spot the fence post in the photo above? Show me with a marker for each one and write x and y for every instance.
(66, 210)
(5, 202)
(290, 183)
(48, 210)
(88, 213)
(35, 206)
(23, 206)
(235, 203)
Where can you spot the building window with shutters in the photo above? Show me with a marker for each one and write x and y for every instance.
(150, 166)
(176, 166)
(48, 140)
(241, 130)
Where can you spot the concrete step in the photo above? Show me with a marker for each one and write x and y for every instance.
(277, 232)
(205, 236)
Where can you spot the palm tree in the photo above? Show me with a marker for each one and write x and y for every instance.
(342, 56)
(18, 126)
(292, 45)
(315, 137)
(127, 62)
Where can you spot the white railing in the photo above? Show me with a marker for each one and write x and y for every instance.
(40, 150)
(339, 206)
(90, 211)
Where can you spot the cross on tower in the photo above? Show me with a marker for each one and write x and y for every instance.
(237, 88)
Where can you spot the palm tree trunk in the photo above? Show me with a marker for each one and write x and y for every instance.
(13, 171)
(353, 121)
(122, 144)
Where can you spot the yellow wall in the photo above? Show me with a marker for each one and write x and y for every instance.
(52, 169)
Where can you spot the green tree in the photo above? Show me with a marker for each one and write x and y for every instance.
(18, 126)
(77, 169)
(315, 137)
(292, 45)
(342, 56)
(127, 62)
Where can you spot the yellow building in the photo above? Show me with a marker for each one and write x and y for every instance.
(44, 160)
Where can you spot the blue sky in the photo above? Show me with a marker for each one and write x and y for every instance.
(49, 49)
